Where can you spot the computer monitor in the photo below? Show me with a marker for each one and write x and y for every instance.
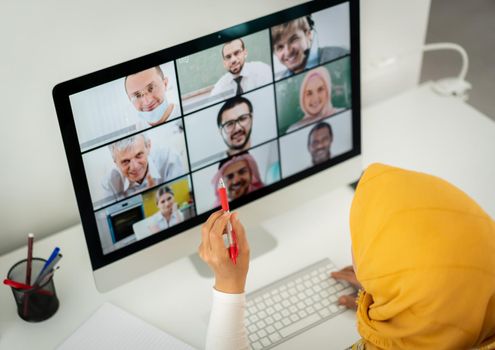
(271, 106)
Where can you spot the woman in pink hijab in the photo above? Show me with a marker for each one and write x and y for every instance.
(240, 174)
(315, 98)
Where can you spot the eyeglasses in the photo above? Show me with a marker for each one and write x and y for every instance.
(243, 120)
(139, 95)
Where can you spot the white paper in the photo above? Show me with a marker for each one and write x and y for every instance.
(113, 328)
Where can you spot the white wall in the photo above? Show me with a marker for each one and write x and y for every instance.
(45, 42)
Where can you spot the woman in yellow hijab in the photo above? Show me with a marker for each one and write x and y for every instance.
(424, 254)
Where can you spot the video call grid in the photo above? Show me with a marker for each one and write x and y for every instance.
(189, 114)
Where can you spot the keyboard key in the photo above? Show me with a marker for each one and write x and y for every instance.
(302, 313)
(324, 312)
(269, 320)
(261, 324)
(257, 346)
(294, 317)
(277, 317)
(275, 337)
(262, 314)
(252, 328)
(333, 308)
(253, 337)
(305, 322)
(270, 310)
(253, 318)
(265, 341)
(262, 333)
(278, 325)
(270, 329)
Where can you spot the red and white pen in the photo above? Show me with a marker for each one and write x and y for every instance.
(231, 237)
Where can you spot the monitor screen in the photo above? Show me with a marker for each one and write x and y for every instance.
(260, 105)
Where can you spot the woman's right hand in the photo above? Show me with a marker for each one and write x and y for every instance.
(229, 277)
(348, 274)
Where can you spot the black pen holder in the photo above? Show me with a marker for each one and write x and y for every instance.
(38, 303)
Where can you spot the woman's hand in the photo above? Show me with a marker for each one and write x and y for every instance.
(229, 277)
(348, 274)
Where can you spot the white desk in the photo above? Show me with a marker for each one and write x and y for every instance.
(416, 130)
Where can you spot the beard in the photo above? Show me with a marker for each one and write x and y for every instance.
(321, 156)
(238, 70)
(240, 146)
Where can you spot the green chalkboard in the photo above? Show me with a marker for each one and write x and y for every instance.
(287, 92)
(204, 68)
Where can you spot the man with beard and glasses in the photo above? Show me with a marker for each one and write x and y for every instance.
(147, 92)
(235, 121)
(241, 76)
(319, 142)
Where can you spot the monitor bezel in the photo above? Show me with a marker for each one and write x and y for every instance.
(62, 92)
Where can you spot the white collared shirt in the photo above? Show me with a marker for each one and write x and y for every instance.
(253, 74)
(159, 223)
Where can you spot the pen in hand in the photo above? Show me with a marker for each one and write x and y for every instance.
(231, 237)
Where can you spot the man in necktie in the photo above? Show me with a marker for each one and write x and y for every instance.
(241, 76)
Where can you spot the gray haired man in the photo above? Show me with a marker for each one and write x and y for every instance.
(136, 170)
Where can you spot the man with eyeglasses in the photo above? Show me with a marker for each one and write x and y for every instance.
(147, 92)
(235, 121)
(241, 76)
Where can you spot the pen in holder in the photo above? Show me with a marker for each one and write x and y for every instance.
(39, 302)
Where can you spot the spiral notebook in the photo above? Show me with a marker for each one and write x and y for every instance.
(110, 327)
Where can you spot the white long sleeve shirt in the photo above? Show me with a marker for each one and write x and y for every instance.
(226, 329)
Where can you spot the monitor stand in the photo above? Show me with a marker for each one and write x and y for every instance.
(260, 242)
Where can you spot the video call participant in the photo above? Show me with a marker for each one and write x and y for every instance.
(168, 214)
(319, 142)
(147, 92)
(136, 170)
(315, 98)
(241, 76)
(240, 174)
(294, 45)
(235, 121)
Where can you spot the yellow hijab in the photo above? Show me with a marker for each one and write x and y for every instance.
(424, 253)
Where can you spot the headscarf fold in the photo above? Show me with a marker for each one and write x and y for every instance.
(424, 253)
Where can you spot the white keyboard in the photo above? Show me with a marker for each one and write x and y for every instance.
(293, 304)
